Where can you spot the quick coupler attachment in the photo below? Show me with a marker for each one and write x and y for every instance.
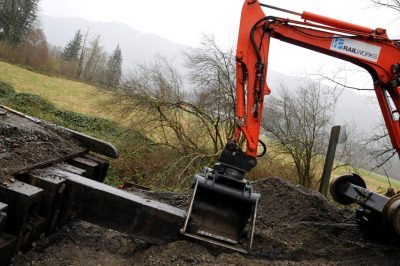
(222, 210)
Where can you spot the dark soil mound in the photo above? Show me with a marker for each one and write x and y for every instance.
(294, 225)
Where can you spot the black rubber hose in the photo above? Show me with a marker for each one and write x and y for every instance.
(264, 149)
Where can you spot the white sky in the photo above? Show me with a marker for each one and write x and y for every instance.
(184, 21)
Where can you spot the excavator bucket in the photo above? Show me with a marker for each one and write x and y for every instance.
(222, 211)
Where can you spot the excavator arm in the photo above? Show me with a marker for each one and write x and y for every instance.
(368, 48)
(223, 206)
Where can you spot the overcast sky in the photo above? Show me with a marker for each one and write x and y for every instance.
(184, 21)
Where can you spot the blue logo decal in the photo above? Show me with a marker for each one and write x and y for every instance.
(338, 43)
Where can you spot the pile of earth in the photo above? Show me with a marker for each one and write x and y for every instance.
(25, 144)
(294, 225)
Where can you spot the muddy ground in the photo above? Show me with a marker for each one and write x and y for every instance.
(294, 226)
(25, 144)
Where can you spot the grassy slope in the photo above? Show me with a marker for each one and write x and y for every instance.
(86, 99)
(374, 181)
(66, 94)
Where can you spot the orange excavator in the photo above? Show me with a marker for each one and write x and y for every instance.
(223, 206)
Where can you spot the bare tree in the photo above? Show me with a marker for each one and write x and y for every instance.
(82, 56)
(298, 122)
(191, 126)
(154, 100)
(374, 151)
(95, 62)
(212, 72)
(35, 49)
(381, 148)
(392, 4)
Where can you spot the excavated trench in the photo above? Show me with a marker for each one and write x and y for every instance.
(294, 225)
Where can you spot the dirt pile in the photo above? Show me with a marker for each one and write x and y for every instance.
(24, 144)
(294, 225)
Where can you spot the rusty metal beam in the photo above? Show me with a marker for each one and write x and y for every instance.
(119, 210)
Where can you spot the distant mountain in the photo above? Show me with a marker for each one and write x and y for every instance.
(137, 47)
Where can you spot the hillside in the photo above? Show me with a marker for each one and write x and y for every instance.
(67, 94)
(85, 99)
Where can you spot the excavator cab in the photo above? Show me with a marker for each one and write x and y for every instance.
(223, 206)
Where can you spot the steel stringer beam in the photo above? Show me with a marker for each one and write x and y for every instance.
(108, 207)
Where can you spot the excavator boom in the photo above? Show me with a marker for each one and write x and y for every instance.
(223, 204)
(368, 48)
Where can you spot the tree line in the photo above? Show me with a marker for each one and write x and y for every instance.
(191, 128)
(83, 58)
(188, 128)
(87, 60)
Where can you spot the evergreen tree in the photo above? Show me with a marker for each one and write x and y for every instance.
(114, 69)
(71, 51)
(16, 19)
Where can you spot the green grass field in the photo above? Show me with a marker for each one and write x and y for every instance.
(65, 94)
(375, 182)
(72, 96)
